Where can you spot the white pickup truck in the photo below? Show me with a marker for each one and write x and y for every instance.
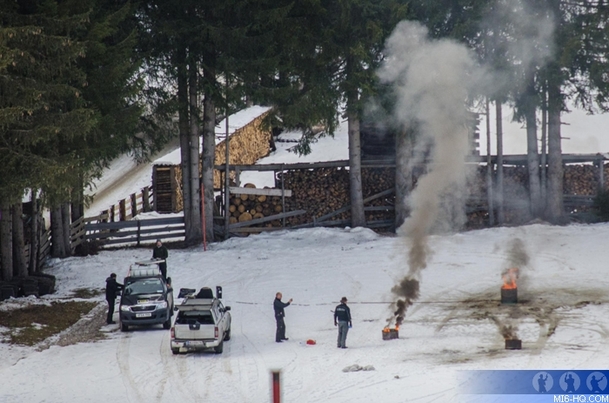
(202, 322)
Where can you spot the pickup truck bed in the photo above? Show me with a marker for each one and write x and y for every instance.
(200, 324)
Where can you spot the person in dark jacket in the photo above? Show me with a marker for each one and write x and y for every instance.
(112, 289)
(342, 319)
(279, 315)
(161, 252)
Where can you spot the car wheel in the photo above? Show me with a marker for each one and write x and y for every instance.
(218, 349)
(124, 328)
(227, 335)
(175, 351)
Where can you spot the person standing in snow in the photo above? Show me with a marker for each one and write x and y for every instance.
(112, 289)
(278, 306)
(161, 252)
(342, 319)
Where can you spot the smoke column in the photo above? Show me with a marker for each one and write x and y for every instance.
(432, 80)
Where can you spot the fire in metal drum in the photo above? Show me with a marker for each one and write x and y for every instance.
(390, 334)
(513, 344)
(509, 295)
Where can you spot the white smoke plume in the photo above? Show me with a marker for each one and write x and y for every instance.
(432, 80)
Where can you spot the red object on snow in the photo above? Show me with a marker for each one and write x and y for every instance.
(311, 342)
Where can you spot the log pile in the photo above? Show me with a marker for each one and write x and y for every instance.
(322, 191)
(245, 207)
(319, 191)
(580, 180)
(247, 145)
(374, 181)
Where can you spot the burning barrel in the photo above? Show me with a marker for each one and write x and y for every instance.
(513, 344)
(509, 289)
(390, 334)
(509, 295)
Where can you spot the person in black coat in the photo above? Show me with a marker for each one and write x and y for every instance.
(279, 315)
(161, 252)
(342, 319)
(112, 289)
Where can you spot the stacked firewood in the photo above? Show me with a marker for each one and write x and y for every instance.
(245, 207)
(318, 191)
(322, 191)
(580, 180)
(374, 181)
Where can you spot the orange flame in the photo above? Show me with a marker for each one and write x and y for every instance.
(509, 278)
(388, 329)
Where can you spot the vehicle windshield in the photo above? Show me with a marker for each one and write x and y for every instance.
(145, 286)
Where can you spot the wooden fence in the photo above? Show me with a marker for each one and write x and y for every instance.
(133, 232)
(115, 225)
(44, 248)
(129, 207)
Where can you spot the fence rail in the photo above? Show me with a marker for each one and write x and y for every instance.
(136, 231)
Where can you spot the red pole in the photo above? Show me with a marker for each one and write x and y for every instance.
(276, 387)
(203, 217)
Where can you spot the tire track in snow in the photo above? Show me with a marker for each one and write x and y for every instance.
(176, 372)
(122, 358)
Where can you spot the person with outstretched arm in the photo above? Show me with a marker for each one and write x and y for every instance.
(279, 306)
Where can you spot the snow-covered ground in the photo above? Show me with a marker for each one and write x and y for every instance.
(455, 325)
(452, 327)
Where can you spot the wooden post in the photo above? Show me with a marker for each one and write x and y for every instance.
(146, 199)
(601, 175)
(154, 187)
(133, 205)
(174, 190)
(139, 228)
(122, 210)
(282, 196)
(226, 173)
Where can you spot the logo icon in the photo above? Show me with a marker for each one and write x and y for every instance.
(596, 382)
(569, 382)
(542, 382)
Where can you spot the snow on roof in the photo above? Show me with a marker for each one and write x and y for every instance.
(238, 120)
(235, 122)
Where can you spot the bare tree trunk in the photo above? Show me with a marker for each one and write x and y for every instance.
(57, 237)
(532, 152)
(555, 205)
(209, 151)
(183, 126)
(403, 176)
(499, 187)
(489, 167)
(358, 218)
(77, 207)
(67, 229)
(35, 236)
(544, 141)
(195, 235)
(19, 264)
(6, 241)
